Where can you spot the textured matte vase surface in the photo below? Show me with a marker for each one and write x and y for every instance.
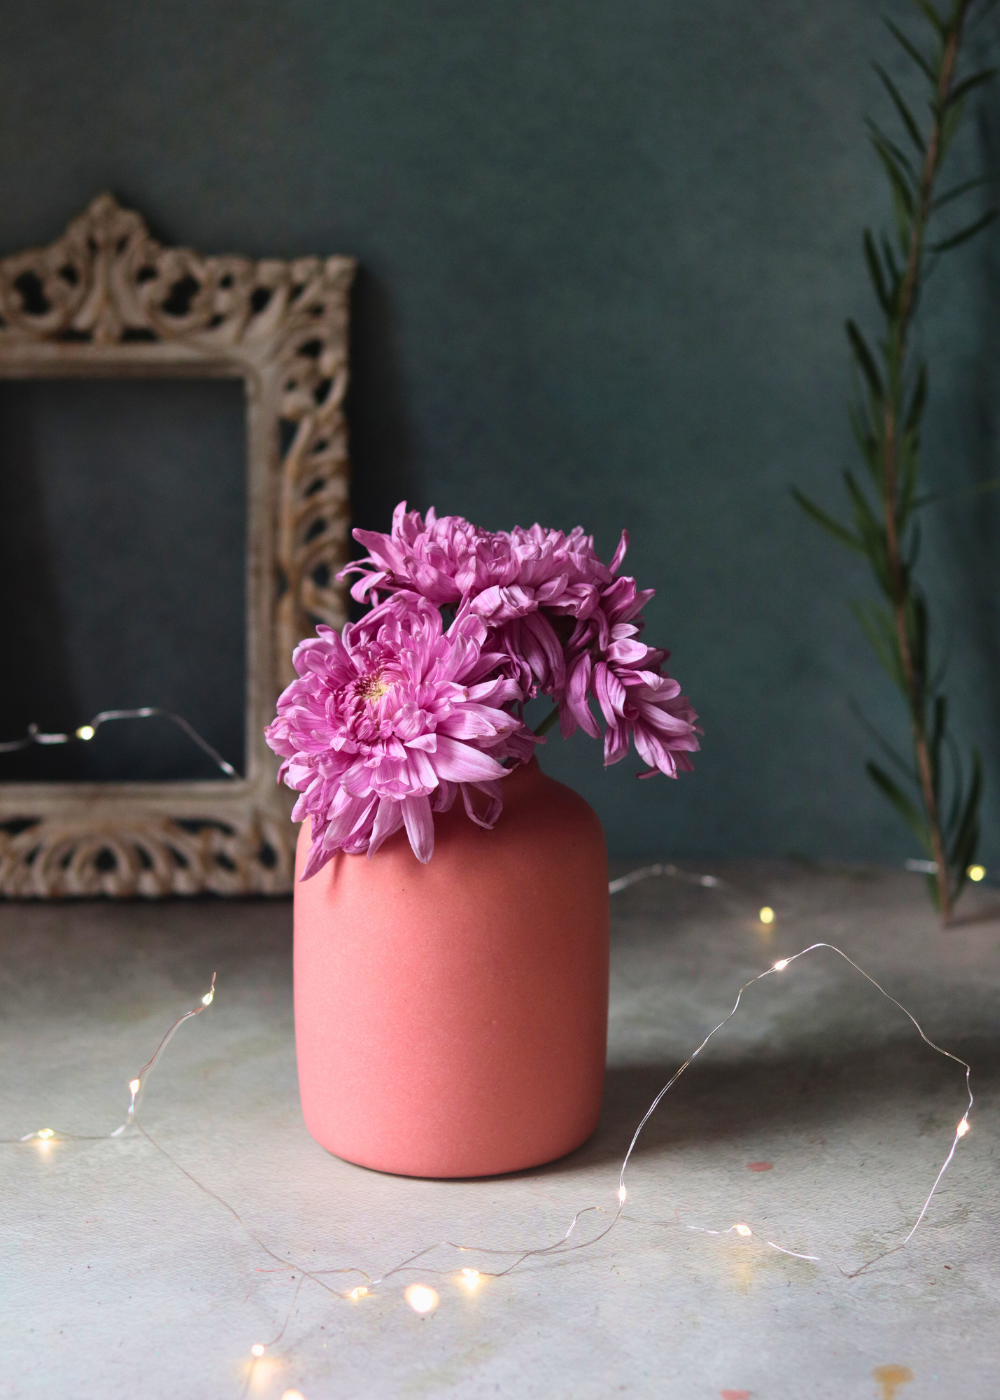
(451, 1018)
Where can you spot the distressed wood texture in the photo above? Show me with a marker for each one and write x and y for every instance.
(107, 300)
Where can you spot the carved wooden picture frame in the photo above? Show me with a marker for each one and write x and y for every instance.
(107, 300)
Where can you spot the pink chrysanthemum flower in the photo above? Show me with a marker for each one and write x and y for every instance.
(518, 580)
(569, 625)
(388, 721)
(606, 659)
(505, 575)
(422, 556)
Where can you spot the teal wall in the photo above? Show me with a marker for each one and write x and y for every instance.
(607, 251)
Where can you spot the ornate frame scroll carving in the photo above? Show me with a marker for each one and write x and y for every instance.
(107, 300)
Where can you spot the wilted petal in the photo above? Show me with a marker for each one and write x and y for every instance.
(483, 814)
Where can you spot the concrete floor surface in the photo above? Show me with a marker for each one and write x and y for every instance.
(120, 1278)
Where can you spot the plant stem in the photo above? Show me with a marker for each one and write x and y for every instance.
(893, 405)
(886, 416)
(547, 722)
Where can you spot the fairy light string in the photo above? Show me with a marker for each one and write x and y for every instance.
(136, 1087)
(780, 966)
(86, 732)
(421, 1297)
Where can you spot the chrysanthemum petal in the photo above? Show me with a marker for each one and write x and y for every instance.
(388, 820)
(461, 763)
(419, 823)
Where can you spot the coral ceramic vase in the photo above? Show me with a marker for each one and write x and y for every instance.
(451, 1018)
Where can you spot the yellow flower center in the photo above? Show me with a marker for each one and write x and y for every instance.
(373, 687)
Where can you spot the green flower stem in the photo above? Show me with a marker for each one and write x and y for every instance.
(547, 722)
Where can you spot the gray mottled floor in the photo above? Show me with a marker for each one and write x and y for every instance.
(121, 1279)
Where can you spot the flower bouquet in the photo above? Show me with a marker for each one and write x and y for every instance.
(394, 717)
(451, 1014)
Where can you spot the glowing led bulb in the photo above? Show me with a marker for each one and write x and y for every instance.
(766, 915)
(421, 1298)
(86, 731)
(743, 1230)
(360, 1292)
(781, 964)
(207, 999)
(257, 1349)
(470, 1277)
(46, 1133)
(963, 1127)
(622, 1193)
(134, 1086)
(292, 1395)
(976, 872)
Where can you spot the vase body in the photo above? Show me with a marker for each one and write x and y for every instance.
(451, 1018)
